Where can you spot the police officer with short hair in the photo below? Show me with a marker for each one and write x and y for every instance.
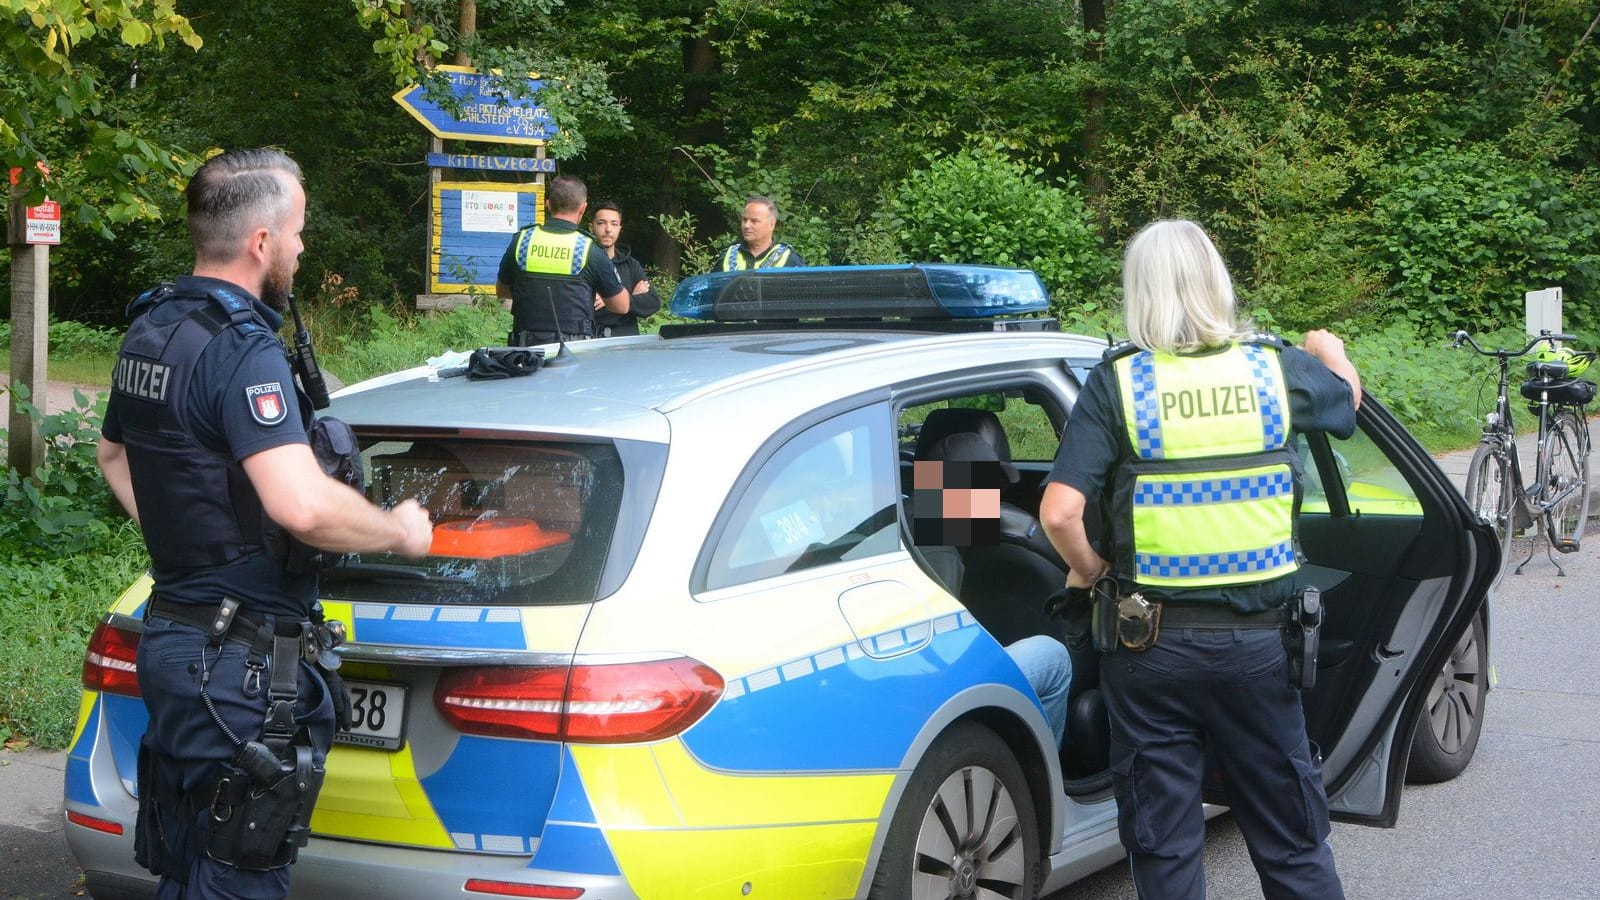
(1185, 436)
(756, 249)
(205, 445)
(552, 272)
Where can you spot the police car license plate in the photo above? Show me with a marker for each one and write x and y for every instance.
(378, 715)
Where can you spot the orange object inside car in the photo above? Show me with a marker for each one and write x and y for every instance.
(491, 538)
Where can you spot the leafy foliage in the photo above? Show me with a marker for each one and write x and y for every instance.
(976, 206)
(65, 551)
(56, 110)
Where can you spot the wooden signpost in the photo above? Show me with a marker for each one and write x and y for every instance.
(30, 231)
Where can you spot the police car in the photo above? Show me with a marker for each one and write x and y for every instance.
(675, 638)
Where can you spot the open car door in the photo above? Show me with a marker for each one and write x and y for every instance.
(1403, 566)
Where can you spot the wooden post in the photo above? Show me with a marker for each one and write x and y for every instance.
(30, 323)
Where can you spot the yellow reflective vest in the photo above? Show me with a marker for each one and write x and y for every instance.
(544, 252)
(1208, 497)
(776, 257)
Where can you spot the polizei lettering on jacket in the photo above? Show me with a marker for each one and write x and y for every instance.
(537, 249)
(1201, 403)
(141, 378)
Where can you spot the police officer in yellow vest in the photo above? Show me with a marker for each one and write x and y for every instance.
(552, 272)
(1184, 437)
(756, 249)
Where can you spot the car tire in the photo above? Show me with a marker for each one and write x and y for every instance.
(965, 825)
(1452, 715)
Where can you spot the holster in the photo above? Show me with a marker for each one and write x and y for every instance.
(1105, 594)
(1302, 635)
(260, 812)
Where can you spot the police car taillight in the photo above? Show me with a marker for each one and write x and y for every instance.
(597, 704)
(511, 889)
(110, 664)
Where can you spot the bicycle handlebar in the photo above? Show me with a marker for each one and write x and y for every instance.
(1462, 337)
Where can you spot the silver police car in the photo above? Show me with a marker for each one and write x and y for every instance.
(677, 637)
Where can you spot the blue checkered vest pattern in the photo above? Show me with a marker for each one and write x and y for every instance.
(1207, 497)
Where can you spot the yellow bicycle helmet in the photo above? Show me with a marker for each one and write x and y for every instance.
(1577, 360)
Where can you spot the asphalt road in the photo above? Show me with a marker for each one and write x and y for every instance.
(1518, 824)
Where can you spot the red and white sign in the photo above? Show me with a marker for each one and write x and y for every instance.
(44, 223)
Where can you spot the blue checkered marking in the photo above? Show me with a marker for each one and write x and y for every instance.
(1274, 424)
(1204, 565)
(1146, 407)
(1212, 490)
(580, 253)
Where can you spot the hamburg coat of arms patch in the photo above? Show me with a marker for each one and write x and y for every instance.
(266, 403)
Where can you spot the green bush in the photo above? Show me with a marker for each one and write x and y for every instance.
(1465, 231)
(978, 207)
(389, 343)
(65, 553)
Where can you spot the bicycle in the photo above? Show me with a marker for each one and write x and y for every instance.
(1558, 495)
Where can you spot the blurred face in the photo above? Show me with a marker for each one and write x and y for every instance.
(283, 251)
(756, 225)
(607, 225)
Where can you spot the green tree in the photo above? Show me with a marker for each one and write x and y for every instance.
(57, 109)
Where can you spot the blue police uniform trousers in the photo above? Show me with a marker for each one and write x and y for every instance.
(170, 665)
(1226, 689)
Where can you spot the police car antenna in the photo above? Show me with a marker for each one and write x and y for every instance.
(563, 355)
(304, 360)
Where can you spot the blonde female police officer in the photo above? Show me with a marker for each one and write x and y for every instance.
(1184, 434)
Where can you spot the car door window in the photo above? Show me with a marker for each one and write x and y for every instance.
(1363, 474)
(1029, 432)
(826, 495)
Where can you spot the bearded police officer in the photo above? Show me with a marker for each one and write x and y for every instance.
(756, 249)
(205, 445)
(1184, 435)
(552, 272)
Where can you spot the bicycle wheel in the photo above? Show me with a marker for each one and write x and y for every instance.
(1566, 480)
(1489, 493)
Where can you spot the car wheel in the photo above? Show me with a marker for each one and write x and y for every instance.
(1452, 718)
(965, 827)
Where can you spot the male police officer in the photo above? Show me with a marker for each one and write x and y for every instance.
(1185, 433)
(204, 444)
(552, 272)
(643, 301)
(756, 249)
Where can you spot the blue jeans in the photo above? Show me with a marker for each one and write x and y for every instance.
(1044, 661)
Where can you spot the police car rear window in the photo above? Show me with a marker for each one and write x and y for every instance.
(515, 522)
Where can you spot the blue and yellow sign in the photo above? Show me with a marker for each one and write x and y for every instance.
(483, 115)
(473, 223)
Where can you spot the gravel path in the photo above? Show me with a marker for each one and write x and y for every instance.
(58, 395)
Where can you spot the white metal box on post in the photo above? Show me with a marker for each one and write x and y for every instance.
(1543, 311)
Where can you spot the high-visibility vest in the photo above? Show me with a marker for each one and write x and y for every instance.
(554, 296)
(552, 253)
(775, 258)
(1208, 497)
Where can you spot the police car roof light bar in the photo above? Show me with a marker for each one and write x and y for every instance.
(922, 291)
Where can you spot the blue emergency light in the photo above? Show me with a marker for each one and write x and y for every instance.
(923, 291)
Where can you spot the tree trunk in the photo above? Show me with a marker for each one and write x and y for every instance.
(468, 29)
(1094, 106)
(696, 125)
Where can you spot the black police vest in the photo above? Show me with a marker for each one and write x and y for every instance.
(196, 506)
